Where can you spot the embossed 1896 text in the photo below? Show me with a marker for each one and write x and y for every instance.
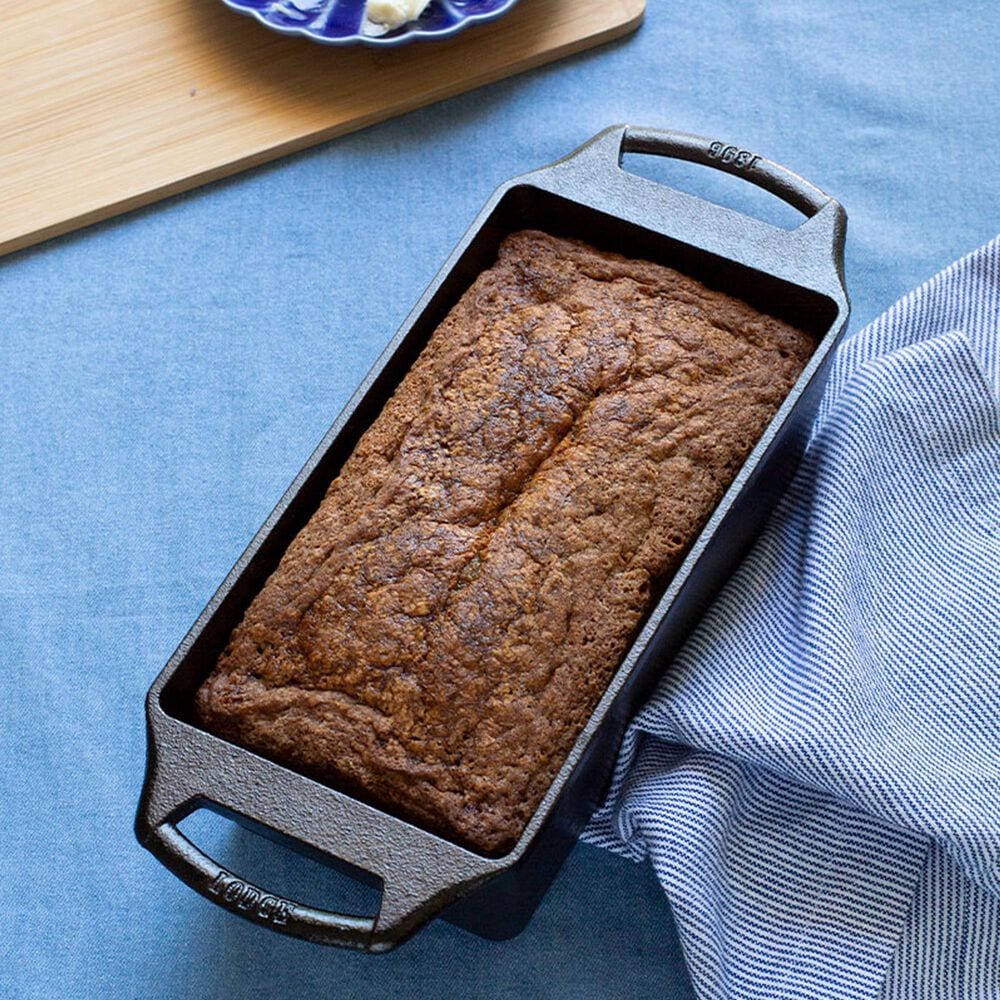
(742, 159)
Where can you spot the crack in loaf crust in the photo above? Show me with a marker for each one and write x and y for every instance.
(437, 635)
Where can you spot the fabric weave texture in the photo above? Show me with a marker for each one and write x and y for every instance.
(817, 779)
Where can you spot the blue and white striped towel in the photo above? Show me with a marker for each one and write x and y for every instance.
(817, 779)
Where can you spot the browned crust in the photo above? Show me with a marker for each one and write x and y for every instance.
(438, 634)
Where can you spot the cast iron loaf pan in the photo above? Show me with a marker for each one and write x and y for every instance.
(795, 274)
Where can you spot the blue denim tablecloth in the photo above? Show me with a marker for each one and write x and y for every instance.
(162, 378)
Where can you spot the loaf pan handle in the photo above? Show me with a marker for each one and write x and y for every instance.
(810, 254)
(229, 891)
(765, 173)
(188, 769)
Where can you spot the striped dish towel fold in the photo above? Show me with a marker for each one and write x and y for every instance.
(817, 779)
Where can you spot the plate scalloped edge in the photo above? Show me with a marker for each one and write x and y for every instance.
(457, 20)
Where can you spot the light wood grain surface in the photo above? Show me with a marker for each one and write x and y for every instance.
(106, 105)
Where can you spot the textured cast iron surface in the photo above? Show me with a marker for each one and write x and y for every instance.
(796, 274)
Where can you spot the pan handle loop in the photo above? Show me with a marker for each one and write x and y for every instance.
(765, 173)
(243, 898)
(810, 254)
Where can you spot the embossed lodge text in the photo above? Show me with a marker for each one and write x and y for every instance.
(244, 896)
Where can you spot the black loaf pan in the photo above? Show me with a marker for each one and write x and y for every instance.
(795, 274)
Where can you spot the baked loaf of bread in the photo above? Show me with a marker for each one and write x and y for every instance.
(436, 637)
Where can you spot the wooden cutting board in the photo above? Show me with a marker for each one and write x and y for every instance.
(106, 105)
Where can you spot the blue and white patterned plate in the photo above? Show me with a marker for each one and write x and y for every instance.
(343, 22)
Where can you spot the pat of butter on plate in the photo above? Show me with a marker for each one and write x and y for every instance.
(394, 13)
